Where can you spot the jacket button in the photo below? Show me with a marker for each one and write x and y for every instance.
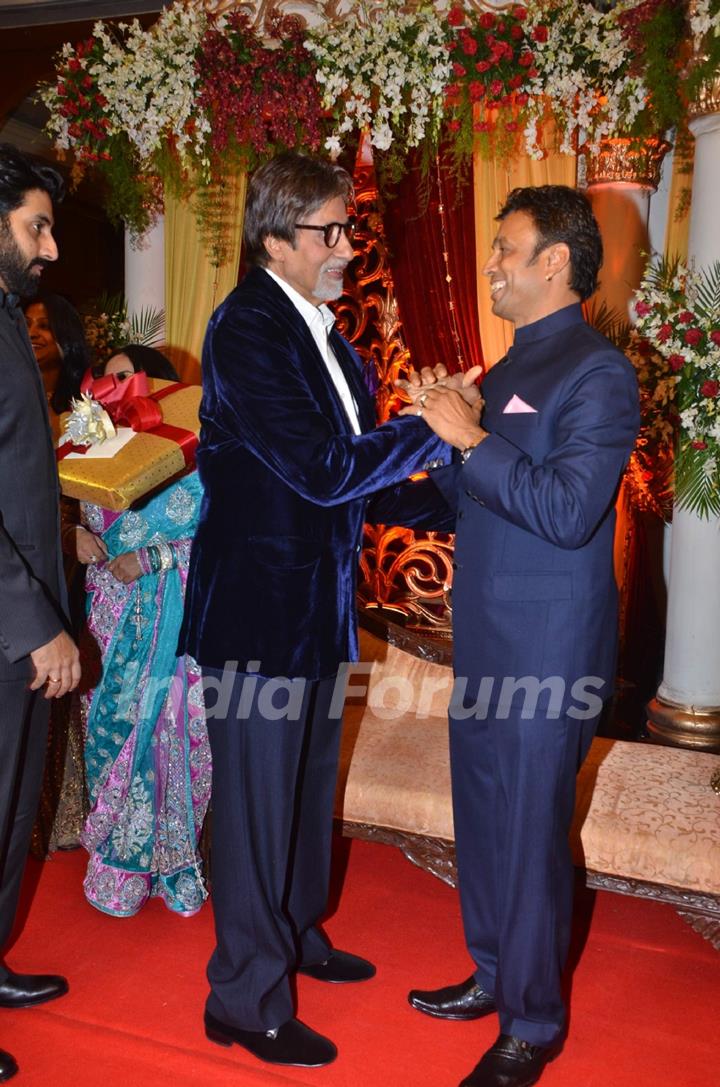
(461, 514)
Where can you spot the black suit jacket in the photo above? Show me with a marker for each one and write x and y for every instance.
(32, 589)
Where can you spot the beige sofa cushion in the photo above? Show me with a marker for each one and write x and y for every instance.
(643, 812)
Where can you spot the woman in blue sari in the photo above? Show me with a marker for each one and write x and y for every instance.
(147, 757)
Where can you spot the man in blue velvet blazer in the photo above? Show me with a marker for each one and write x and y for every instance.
(534, 616)
(289, 454)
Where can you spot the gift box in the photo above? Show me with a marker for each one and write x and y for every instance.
(139, 462)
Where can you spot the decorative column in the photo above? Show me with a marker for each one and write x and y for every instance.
(686, 710)
(620, 180)
(145, 269)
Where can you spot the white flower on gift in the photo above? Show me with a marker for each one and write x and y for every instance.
(88, 423)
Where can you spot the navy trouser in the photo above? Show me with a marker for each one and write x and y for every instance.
(513, 785)
(273, 788)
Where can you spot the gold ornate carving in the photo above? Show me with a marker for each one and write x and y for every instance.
(707, 101)
(627, 159)
(316, 12)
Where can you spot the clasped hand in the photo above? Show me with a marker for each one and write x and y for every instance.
(451, 404)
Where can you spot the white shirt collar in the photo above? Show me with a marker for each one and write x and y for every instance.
(311, 313)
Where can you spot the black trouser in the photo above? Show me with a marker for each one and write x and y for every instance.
(272, 809)
(23, 740)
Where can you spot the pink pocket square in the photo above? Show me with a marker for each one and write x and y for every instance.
(516, 406)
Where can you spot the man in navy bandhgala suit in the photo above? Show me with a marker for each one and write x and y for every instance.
(534, 616)
(289, 454)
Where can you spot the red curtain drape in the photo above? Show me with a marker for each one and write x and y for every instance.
(416, 240)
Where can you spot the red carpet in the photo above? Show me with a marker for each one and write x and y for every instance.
(645, 991)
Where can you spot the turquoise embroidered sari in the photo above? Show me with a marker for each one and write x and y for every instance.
(147, 756)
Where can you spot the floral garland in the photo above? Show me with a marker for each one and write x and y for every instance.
(166, 105)
(385, 72)
(678, 316)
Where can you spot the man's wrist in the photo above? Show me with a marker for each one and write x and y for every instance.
(470, 441)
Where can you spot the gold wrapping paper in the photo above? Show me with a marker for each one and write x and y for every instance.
(144, 464)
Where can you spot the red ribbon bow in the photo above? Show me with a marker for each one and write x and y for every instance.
(130, 403)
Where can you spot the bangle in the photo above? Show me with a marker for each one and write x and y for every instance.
(167, 557)
(144, 560)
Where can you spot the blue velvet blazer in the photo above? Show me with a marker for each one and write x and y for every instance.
(286, 482)
(534, 588)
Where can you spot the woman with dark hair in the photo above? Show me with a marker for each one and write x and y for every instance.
(135, 358)
(58, 340)
(147, 757)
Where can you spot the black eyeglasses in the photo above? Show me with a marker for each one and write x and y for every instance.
(331, 231)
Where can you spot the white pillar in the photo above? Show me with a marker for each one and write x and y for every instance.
(687, 707)
(145, 269)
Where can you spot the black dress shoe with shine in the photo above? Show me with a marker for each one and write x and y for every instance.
(8, 1066)
(27, 990)
(293, 1043)
(511, 1062)
(339, 968)
(464, 1001)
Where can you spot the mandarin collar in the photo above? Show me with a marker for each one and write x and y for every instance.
(550, 325)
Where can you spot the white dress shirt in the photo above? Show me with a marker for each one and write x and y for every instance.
(320, 320)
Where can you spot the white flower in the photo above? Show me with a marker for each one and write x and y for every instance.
(386, 71)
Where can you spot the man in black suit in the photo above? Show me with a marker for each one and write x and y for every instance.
(38, 659)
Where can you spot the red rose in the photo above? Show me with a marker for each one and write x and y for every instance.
(487, 20)
(715, 336)
(522, 99)
(676, 362)
(477, 90)
(540, 34)
(686, 317)
(699, 445)
(459, 70)
(526, 58)
(496, 87)
(693, 336)
(74, 65)
(515, 82)
(664, 332)
(452, 90)
(501, 27)
(519, 13)
(710, 388)
(483, 66)
(469, 45)
(533, 73)
(642, 308)
(516, 32)
(87, 82)
(456, 16)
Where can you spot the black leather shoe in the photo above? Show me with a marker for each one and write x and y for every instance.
(8, 1066)
(464, 1001)
(339, 968)
(511, 1062)
(26, 990)
(292, 1043)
